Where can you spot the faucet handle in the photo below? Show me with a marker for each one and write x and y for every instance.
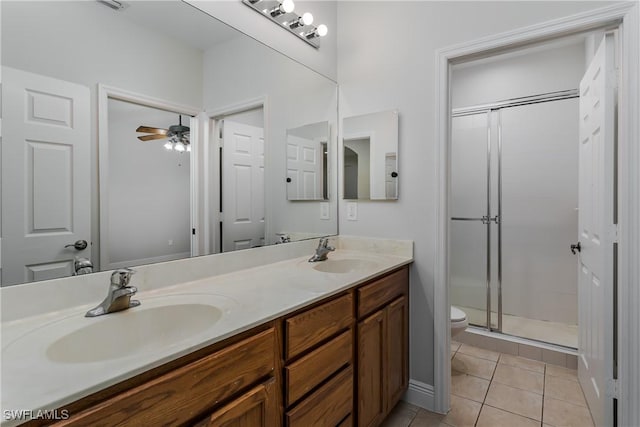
(122, 276)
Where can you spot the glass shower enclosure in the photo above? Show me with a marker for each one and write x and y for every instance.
(514, 199)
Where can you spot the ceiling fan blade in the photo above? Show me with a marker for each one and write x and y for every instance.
(148, 129)
(151, 137)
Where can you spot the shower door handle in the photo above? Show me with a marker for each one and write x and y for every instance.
(575, 248)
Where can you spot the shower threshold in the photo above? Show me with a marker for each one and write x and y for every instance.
(557, 333)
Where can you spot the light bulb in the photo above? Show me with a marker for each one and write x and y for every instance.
(322, 30)
(168, 145)
(287, 6)
(179, 147)
(307, 18)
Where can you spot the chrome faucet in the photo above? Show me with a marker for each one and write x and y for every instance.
(322, 250)
(119, 296)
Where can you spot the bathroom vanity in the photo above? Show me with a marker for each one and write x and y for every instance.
(296, 344)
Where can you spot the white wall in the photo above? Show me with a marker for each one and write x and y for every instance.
(392, 67)
(295, 96)
(149, 189)
(88, 43)
(243, 18)
(528, 72)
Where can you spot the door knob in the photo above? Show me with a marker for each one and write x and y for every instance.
(78, 245)
(575, 248)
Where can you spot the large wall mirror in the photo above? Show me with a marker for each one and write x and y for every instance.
(150, 133)
(370, 156)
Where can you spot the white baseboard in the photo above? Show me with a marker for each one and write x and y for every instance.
(420, 394)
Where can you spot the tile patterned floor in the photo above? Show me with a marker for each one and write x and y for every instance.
(490, 389)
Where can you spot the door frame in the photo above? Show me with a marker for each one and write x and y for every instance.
(627, 17)
(211, 179)
(106, 92)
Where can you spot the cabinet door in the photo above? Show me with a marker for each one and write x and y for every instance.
(256, 408)
(397, 369)
(371, 352)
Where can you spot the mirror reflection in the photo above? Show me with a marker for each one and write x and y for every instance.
(370, 156)
(307, 162)
(75, 170)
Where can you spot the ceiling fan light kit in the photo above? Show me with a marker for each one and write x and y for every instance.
(177, 135)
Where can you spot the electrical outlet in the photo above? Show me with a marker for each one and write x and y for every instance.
(170, 242)
(352, 211)
(324, 210)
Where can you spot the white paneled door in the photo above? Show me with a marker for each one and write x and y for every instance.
(242, 186)
(304, 168)
(45, 176)
(597, 232)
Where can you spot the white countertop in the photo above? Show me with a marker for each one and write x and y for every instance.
(31, 380)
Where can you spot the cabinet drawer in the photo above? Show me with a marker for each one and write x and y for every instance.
(311, 327)
(382, 291)
(327, 406)
(183, 394)
(312, 369)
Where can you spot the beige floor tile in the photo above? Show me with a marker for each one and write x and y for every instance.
(455, 345)
(521, 362)
(463, 413)
(567, 390)
(479, 352)
(468, 386)
(558, 413)
(428, 419)
(405, 407)
(494, 417)
(397, 420)
(473, 366)
(514, 400)
(559, 371)
(519, 378)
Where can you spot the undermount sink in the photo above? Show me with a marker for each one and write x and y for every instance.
(133, 331)
(341, 266)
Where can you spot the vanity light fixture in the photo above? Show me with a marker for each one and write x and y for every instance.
(282, 13)
(320, 31)
(286, 6)
(305, 19)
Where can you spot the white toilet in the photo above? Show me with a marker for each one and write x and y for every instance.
(458, 321)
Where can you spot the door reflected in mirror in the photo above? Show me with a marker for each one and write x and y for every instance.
(370, 156)
(307, 162)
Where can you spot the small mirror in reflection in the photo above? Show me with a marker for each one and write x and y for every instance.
(370, 160)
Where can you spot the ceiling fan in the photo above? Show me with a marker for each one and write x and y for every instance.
(178, 136)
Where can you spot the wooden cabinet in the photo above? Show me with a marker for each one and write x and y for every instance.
(186, 393)
(383, 357)
(318, 372)
(256, 408)
(340, 361)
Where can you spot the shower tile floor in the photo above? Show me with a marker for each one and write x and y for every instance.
(490, 389)
(550, 332)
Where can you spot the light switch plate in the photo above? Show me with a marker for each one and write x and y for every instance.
(352, 211)
(324, 210)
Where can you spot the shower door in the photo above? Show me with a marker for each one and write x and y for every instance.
(514, 188)
(470, 272)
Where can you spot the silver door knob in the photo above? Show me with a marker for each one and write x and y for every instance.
(78, 245)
